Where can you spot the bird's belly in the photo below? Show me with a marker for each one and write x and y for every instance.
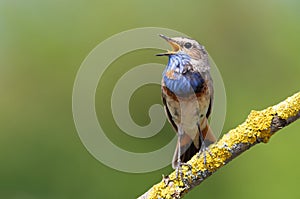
(189, 113)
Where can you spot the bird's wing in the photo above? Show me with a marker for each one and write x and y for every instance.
(168, 113)
(211, 92)
(210, 135)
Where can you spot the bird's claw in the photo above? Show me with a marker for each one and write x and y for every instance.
(179, 172)
(203, 151)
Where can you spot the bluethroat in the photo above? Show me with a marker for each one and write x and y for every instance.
(187, 95)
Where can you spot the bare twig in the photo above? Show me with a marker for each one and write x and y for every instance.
(258, 127)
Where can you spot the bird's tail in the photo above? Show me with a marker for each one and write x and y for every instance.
(188, 147)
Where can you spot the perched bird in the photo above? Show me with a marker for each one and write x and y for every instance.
(187, 94)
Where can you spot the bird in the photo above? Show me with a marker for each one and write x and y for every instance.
(187, 96)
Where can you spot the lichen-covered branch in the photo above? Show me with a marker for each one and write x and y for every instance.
(258, 127)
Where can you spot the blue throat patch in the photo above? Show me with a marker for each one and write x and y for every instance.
(181, 84)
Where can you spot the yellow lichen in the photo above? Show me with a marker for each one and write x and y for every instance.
(161, 191)
(288, 108)
(215, 158)
(256, 126)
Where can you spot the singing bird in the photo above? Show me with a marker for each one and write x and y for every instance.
(187, 95)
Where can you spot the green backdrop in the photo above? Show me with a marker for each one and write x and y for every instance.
(255, 45)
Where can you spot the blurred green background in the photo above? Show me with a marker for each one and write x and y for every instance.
(255, 45)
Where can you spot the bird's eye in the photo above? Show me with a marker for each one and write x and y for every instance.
(187, 45)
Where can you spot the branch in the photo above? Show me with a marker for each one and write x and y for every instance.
(258, 127)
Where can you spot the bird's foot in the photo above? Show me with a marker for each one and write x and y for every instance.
(179, 173)
(203, 151)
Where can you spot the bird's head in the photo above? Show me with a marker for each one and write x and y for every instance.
(185, 45)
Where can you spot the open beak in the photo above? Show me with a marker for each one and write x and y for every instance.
(175, 46)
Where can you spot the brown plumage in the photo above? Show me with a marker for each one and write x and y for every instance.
(187, 95)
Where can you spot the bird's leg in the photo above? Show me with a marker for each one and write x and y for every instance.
(178, 167)
(203, 148)
(179, 163)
